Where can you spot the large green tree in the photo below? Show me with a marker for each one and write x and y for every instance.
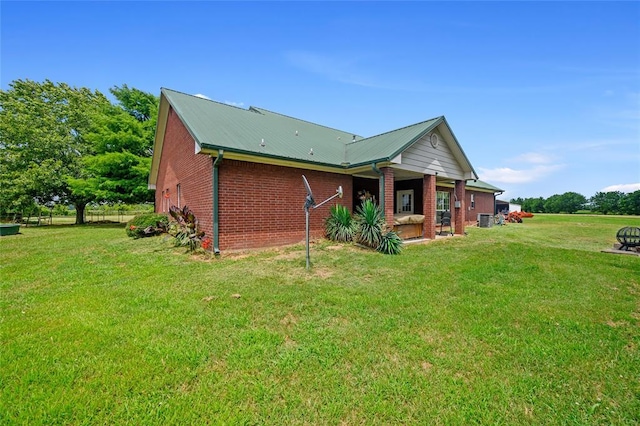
(569, 202)
(532, 205)
(607, 202)
(71, 145)
(42, 143)
(630, 204)
(122, 137)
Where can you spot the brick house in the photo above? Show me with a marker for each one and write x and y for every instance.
(240, 170)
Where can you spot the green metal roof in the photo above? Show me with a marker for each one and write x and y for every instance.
(259, 132)
(215, 125)
(388, 145)
(481, 185)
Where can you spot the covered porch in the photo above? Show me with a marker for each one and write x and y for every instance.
(414, 205)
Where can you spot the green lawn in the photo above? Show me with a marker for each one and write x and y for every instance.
(522, 324)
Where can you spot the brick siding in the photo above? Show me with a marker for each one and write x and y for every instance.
(263, 205)
(429, 206)
(260, 205)
(483, 203)
(180, 165)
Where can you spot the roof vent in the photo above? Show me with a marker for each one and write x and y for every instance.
(296, 133)
(262, 144)
(311, 151)
(354, 138)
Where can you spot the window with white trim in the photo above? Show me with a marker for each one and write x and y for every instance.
(404, 202)
(443, 203)
(473, 201)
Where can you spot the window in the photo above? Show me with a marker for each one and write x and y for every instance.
(443, 204)
(473, 201)
(404, 201)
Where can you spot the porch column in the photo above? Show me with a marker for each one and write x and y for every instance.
(460, 207)
(429, 206)
(389, 196)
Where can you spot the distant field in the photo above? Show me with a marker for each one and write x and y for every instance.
(521, 324)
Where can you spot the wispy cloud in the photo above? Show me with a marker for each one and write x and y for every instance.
(534, 158)
(535, 166)
(624, 187)
(333, 67)
(232, 103)
(235, 104)
(366, 70)
(526, 175)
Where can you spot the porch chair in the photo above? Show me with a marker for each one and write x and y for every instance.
(445, 220)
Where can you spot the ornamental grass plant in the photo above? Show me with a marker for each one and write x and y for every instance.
(370, 224)
(339, 225)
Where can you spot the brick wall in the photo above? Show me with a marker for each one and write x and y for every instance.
(484, 203)
(460, 213)
(389, 195)
(180, 165)
(263, 205)
(429, 206)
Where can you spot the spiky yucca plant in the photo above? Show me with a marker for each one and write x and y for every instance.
(391, 243)
(370, 224)
(339, 226)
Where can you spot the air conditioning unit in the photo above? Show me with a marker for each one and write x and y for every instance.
(485, 220)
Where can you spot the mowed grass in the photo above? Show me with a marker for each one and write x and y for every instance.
(522, 324)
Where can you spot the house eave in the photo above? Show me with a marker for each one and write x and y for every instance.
(264, 158)
(158, 141)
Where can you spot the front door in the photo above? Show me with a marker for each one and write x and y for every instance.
(404, 202)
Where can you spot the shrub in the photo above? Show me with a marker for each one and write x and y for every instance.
(339, 226)
(370, 224)
(390, 243)
(185, 229)
(371, 229)
(147, 225)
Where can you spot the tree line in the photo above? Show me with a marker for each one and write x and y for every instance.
(62, 145)
(614, 202)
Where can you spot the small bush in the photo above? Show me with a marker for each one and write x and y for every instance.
(390, 243)
(185, 229)
(147, 225)
(339, 226)
(370, 224)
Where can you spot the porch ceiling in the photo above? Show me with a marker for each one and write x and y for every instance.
(401, 174)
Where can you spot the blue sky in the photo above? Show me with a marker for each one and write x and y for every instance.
(544, 97)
